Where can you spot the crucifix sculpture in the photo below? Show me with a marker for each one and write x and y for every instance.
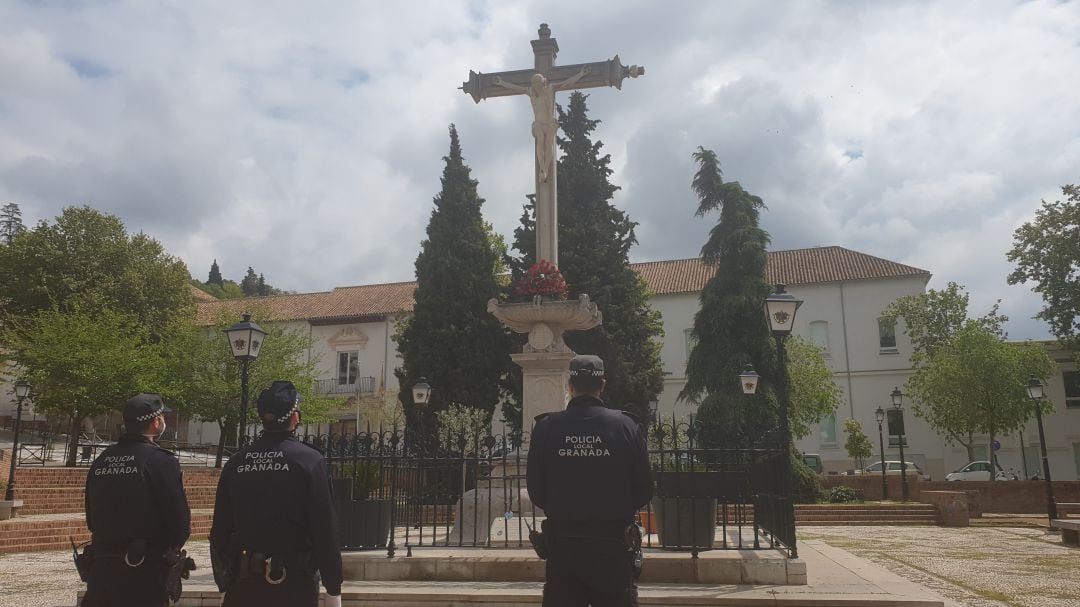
(540, 84)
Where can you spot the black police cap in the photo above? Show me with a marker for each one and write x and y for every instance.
(277, 402)
(586, 365)
(143, 408)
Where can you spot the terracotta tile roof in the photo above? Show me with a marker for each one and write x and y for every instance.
(358, 302)
(794, 267)
(374, 302)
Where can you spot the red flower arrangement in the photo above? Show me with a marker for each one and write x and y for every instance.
(543, 278)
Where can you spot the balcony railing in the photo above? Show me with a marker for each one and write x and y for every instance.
(362, 385)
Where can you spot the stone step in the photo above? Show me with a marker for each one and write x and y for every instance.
(866, 523)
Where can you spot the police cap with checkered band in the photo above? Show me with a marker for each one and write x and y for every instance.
(586, 365)
(143, 408)
(278, 402)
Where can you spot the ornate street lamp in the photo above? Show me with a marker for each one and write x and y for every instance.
(879, 415)
(780, 309)
(748, 379)
(246, 340)
(1036, 392)
(898, 404)
(421, 392)
(22, 390)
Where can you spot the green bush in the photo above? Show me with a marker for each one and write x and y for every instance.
(844, 495)
(366, 476)
(805, 484)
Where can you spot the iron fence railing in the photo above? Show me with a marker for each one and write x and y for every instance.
(468, 489)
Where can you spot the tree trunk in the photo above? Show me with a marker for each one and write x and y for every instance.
(993, 457)
(223, 434)
(73, 440)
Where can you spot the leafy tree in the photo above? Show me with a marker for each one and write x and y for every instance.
(814, 393)
(11, 224)
(261, 287)
(80, 363)
(450, 339)
(976, 384)
(858, 445)
(595, 239)
(932, 320)
(215, 275)
(250, 284)
(1046, 252)
(198, 375)
(87, 261)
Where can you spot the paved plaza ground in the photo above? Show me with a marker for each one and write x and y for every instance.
(974, 567)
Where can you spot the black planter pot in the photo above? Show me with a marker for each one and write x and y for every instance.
(363, 523)
(685, 523)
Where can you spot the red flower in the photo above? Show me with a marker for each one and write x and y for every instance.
(543, 278)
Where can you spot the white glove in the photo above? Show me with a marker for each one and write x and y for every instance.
(332, 601)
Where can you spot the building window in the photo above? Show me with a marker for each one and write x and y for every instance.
(819, 335)
(896, 427)
(1072, 389)
(887, 336)
(979, 453)
(1033, 458)
(691, 341)
(348, 367)
(828, 429)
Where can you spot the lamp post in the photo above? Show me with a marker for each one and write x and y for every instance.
(879, 415)
(421, 395)
(22, 390)
(898, 403)
(246, 340)
(1035, 391)
(780, 309)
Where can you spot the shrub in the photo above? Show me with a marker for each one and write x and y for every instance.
(842, 494)
(805, 484)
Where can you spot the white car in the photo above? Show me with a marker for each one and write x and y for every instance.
(977, 471)
(894, 468)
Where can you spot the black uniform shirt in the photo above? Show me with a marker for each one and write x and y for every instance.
(135, 490)
(589, 464)
(275, 495)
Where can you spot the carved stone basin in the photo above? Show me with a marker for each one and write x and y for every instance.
(545, 321)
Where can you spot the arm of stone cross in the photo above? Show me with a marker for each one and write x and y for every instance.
(498, 81)
(569, 82)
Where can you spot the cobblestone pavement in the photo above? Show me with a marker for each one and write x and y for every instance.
(974, 566)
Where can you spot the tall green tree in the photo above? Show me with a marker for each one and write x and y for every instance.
(80, 363)
(250, 283)
(1046, 252)
(976, 383)
(450, 339)
(729, 329)
(215, 275)
(86, 260)
(11, 224)
(595, 238)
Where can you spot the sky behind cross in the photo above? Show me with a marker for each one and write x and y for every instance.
(306, 139)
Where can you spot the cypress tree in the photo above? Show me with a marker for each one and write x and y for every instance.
(595, 239)
(215, 275)
(729, 328)
(250, 284)
(11, 224)
(450, 339)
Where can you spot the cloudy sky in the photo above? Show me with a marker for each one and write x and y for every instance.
(305, 138)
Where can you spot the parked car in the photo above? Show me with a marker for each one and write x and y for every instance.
(894, 468)
(979, 471)
(813, 461)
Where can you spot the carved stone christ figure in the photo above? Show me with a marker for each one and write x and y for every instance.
(542, 96)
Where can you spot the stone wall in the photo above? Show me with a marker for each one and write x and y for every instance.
(869, 485)
(1013, 497)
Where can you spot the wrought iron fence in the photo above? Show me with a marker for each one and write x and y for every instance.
(468, 489)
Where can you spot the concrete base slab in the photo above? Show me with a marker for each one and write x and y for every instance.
(522, 565)
(836, 578)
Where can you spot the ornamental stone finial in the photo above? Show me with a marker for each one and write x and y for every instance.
(545, 31)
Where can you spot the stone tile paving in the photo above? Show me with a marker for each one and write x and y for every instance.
(976, 567)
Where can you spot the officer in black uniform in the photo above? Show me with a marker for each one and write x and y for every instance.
(136, 510)
(275, 530)
(589, 471)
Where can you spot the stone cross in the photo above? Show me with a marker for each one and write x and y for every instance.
(540, 84)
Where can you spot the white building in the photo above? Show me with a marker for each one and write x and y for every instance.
(844, 293)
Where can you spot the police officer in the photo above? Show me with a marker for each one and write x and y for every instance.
(589, 471)
(136, 510)
(275, 529)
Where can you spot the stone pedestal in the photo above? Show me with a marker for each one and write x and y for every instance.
(545, 359)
